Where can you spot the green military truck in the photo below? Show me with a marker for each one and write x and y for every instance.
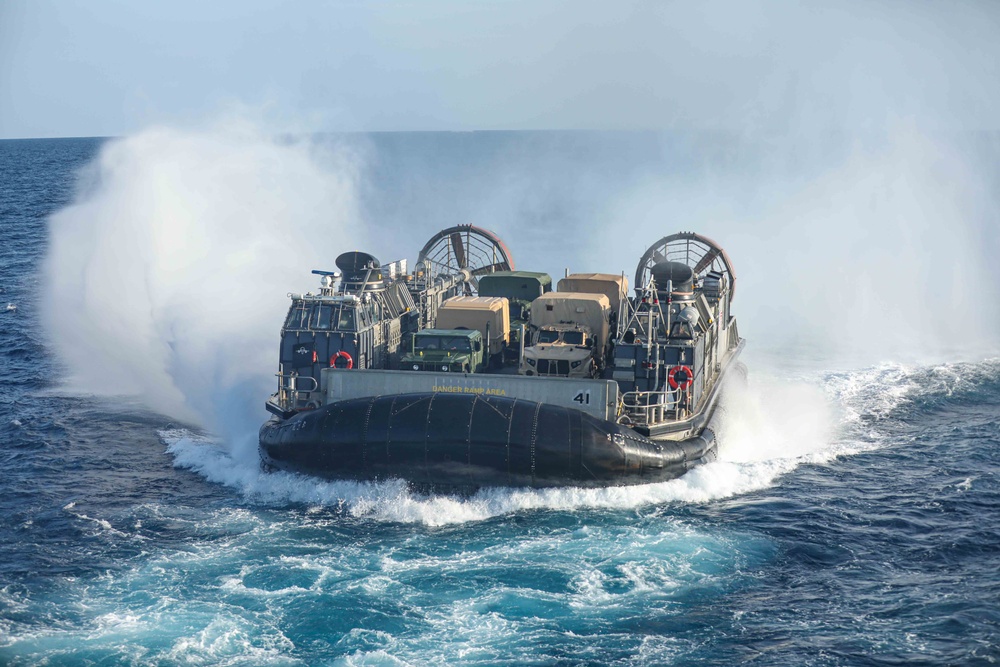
(520, 288)
(445, 351)
(489, 315)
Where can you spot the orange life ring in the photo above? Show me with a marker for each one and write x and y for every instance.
(342, 355)
(684, 382)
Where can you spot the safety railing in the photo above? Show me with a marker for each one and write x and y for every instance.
(646, 408)
(289, 388)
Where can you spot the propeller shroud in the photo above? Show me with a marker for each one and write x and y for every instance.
(465, 248)
(699, 252)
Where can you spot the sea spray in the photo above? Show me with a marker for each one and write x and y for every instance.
(167, 276)
(864, 252)
(768, 429)
(774, 417)
(393, 501)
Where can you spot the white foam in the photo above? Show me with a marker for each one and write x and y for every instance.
(394, 501)
(766, 430)
(103, 524)
(375, 658)
(235, 584)
(226, 637)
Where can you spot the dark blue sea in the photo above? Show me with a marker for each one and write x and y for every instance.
(853, 517)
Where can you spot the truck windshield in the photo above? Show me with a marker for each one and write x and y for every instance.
(444, 343)
(573, 337)
(546, 336)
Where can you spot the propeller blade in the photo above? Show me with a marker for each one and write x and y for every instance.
(459, 248)
(706, 260)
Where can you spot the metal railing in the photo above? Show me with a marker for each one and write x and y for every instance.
(647, 408)
(289, 390)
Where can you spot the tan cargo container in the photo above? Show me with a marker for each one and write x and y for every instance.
(591, 310)
(476, 312)
(612, 286)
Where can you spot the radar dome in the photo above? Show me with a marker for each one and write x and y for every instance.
(689, 315)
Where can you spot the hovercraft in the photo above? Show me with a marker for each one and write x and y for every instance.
(466, 372)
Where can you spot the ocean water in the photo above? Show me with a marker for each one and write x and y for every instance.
(852, 519)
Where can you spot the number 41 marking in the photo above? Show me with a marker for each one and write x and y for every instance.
(583, 398)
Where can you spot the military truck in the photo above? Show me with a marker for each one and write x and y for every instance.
(615, 287)
(520, 288)
(489, 315)
(568, 335)
(445, 351)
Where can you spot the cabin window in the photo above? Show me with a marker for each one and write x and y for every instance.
(423, 343)
(295, 315)
(445, 343)
(346, 320)
(681, 330)
(573, 337)
(321, 317)
(456, 344)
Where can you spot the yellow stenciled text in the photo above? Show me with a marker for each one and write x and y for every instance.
(456, 389)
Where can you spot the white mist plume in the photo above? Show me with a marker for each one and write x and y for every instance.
(774, 418)
(876, 250)
(167, 277)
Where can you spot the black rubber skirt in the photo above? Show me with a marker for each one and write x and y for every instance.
(469, 441)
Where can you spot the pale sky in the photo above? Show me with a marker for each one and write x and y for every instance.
(111, 67)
